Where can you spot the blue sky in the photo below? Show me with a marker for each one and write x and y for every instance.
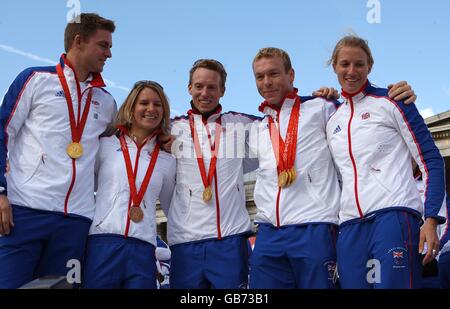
(159, 40)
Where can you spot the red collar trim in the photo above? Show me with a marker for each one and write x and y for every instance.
(277, 108)
(97, 80)
(349, 95)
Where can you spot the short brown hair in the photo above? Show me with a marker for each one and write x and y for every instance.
(125, 114)
(271, 52)
(209, 64)
(351, 41)
(85, 25)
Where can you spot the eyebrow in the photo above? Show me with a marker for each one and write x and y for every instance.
(105, 42)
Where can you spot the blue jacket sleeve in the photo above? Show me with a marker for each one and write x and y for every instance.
(12, 116)
(424, 151)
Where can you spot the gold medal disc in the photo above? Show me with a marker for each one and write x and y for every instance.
(288, 178)
(282, 179)
(294, 174)
(207, 194)
(136, 214)
(74, 150)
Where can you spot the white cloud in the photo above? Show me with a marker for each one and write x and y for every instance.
(25, 54)
(426, 112)
(31, 56)
(112, 84)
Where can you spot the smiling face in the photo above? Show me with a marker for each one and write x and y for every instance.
(206, 89)
(147, 114)
(272, 80)
(95, 50)
(352, 68)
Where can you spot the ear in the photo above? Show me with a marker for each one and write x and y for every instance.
(291, 76)
(370, 69)
(190, 89)
(334, 68)
(77, 41)
(222, 91)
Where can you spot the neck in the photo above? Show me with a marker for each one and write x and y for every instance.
(289, 93)
(206, 115)
(80, 72)
(139, 136)
(278, 104)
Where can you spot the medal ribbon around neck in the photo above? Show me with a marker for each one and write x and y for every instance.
(137, 196)
(76, 128)
(207, 179)
(285, 151)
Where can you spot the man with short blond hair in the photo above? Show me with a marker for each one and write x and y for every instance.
(208, 224)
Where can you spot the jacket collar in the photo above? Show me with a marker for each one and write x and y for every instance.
(272, 109)
(358, 95)
(206, 117)
(95, 79)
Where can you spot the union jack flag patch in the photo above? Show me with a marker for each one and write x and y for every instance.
(397, 254)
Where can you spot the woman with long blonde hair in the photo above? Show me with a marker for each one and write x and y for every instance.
(132, 174)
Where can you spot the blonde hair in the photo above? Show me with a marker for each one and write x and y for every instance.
(272, 52)
(125, 115)
(351, 41)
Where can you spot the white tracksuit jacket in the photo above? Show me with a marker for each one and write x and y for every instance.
(35, 131)
(190, 218)
(372, 139)
(314, 196)
(113, 191)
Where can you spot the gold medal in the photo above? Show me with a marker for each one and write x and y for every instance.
(293, 174)
(207, 194)
(282, 179)
(136, 214)
(289, 178)
(74, 150)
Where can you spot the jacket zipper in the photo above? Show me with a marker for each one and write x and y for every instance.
(350, 151)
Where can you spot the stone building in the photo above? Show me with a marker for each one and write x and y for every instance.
(439, 126)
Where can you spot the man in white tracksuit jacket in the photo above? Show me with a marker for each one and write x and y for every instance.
(208, 234)
(51, 152)
(295, 244)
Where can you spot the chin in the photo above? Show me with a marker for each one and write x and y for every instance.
(352, 89)
(99, 68)
(152, 129)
